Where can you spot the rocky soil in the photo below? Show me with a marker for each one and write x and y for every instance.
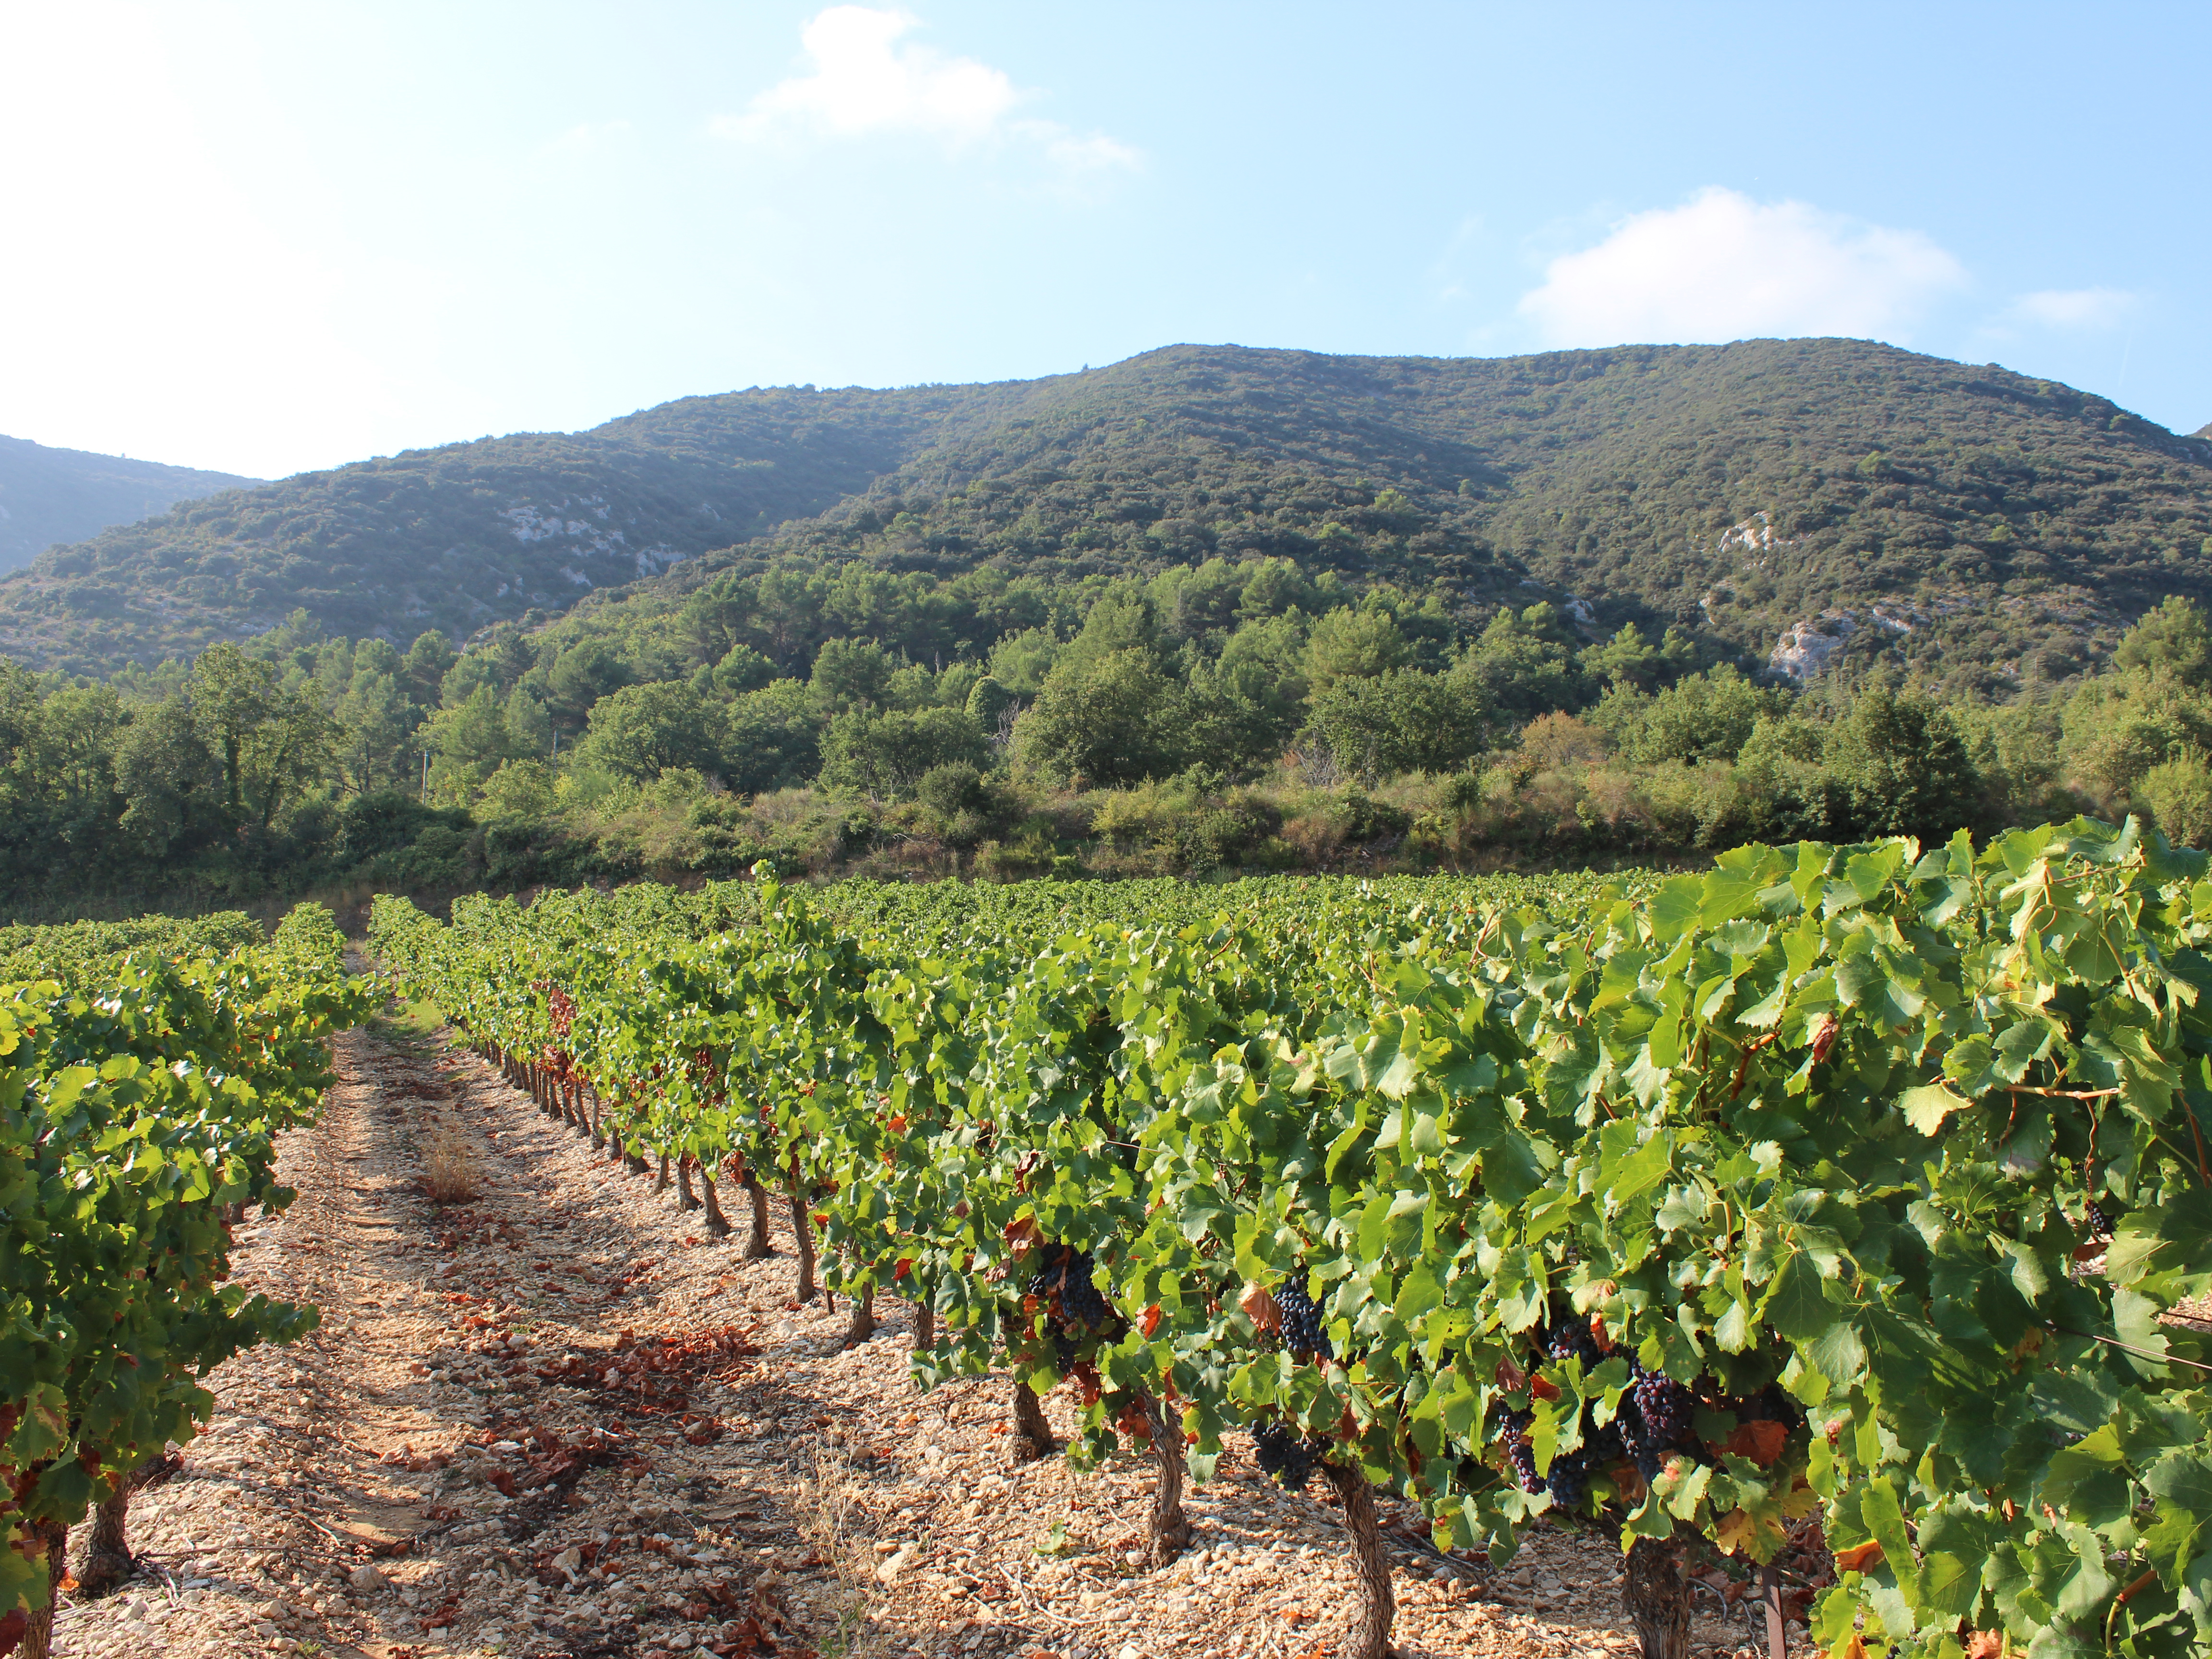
(558, 1418)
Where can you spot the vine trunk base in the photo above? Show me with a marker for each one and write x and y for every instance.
(718, 1224)
(1657, 1598)
(757, 1247)
(1032, 1437)
(1368, 1636)
(1167, 1531)
(805, 1235)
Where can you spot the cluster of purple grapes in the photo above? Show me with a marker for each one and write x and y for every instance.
(1522, 1455)
(1303, 1332)
(1075, 1308)
(1570, 1338)
(2101, 1220)
(1663, 1412)
(1284, 1452)
(1656, 1419)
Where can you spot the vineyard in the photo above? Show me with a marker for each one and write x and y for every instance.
(1839, 1193)
(145, 1070)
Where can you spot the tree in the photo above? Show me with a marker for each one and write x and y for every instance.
(1522, 664)
(429, 660)
(889, 754)
(273, 743)
(639, 732)
(1629, 659)
(1020, 661)
(772, 738)
(1114, 722)
(1702, 717)
(529, 724)
(1348, 644)
(520, 789)
(1405, 722)
(469, 741)
(172, 783)
(852, 674)
(1120, 620)
(1904, 768)
(2178, 795)
(2175, 639)
(377, 721)
(587, 671)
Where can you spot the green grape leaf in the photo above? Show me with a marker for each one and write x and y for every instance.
(1927, 1106)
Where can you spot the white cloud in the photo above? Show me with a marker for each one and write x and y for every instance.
(1724, 267)
(866, 80)
(1096, 154)
(2072, 307)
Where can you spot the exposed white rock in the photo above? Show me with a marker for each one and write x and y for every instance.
(1805, 647)
(1753, 535)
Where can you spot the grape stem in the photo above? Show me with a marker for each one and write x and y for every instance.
(2152, 1354)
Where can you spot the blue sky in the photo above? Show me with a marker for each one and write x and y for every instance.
(265, 237)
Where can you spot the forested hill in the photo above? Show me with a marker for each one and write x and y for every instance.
(458, 537)
(1753, 492)
(49, 495)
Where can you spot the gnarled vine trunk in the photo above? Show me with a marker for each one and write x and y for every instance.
(38, 1641)
(1657, 1598)
(1168, 1530)
(108, 1558)
(757, 1247)
(1032, 1437)
(805, 1234)
(718, 1224)
(685, 1198)
(864, 1319)
(1368, 1636)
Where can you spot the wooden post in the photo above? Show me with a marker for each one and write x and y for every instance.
(1770, 1597)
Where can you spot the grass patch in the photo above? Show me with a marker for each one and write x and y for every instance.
(450, 1175)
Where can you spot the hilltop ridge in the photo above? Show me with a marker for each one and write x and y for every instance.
(50, 495)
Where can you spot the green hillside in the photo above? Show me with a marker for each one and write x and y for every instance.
(50, 496)
(1730, 489)
(2007, 527)
(456, 538)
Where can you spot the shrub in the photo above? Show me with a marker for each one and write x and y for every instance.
(2178, 793)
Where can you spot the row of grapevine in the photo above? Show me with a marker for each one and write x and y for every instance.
(139, 1109)
(45, 950)
(1843, 1183)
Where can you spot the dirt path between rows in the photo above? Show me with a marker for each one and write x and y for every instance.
(558, 1418)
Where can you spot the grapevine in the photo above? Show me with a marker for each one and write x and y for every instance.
(1691, 1212)
(138, 1112)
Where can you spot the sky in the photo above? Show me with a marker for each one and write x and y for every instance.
(267, 237)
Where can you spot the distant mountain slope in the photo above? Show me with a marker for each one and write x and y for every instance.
(470, 533)
(1798, 499)
(49, 495)
(1743, 490)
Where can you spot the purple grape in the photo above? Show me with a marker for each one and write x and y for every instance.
(1524, 1462)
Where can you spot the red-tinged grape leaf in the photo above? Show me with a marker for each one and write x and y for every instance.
(1858, 1558)
(1258, 1306)
(1761, 1443)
